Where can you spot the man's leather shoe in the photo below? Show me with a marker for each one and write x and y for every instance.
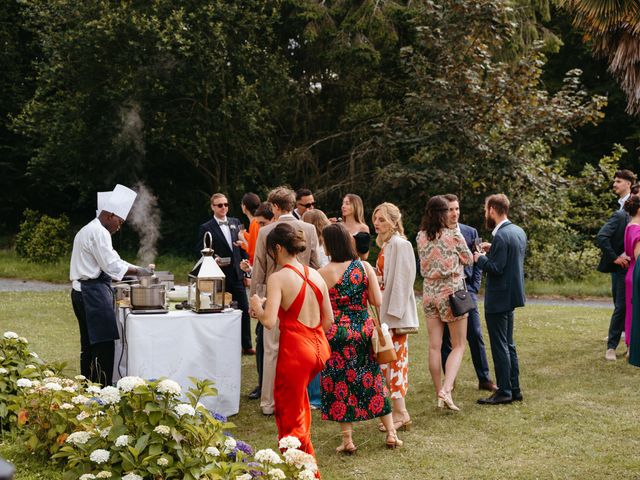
(516, 396)
(248, 351)
(267, 412)
(488, 385)
(495, 399)
(255, 393)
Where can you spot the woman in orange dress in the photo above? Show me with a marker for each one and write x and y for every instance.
(296, 296)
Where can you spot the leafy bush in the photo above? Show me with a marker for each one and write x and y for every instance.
(43, 239)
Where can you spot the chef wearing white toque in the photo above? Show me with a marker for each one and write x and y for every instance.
(94, 263)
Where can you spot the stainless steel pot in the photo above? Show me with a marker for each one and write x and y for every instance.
(153, 296)
(149, 281)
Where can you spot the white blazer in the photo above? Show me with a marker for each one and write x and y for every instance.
(398, 309)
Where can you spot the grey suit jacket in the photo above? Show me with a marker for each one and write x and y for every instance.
(504, 265)
(264, 265)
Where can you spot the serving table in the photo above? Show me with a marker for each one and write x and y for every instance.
(183, 344)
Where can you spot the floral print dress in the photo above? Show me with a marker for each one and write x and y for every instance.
(442, 264)
(353, 388)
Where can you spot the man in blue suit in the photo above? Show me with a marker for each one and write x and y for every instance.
(224, 233)
(504, 291)
(472, 277)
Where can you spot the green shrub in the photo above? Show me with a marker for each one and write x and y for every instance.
(43, 239)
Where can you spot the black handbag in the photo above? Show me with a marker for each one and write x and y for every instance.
(461, 302)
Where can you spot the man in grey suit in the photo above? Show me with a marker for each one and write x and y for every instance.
(504, 291)
(283, 200)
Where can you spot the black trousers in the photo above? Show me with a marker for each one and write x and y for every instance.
(616, 325)
(259, 352)
(503, 351)
(239, 294)
(96, 361)
(476, 344)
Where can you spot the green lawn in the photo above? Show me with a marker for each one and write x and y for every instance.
(580, 417)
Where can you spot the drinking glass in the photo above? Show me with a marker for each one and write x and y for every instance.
(261, 290)
(477, 243)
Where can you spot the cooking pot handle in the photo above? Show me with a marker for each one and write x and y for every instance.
(207, 235)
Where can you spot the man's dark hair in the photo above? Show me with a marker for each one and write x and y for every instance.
(251, 202)
(625, 174)
(499, 202)
(264, 210)
(450, 197)
(303, 192)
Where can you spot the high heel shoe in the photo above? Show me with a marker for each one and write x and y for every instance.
(447, 400)
(403, 426)
(440, 403)
(381, 427)
(393, 441)
(348, 449)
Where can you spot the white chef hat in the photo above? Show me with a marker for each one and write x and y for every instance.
(119, 201)
(103, 198)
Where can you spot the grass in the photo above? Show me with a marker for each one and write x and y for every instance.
(579, 418)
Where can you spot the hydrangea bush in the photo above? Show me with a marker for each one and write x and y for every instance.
(137, 430)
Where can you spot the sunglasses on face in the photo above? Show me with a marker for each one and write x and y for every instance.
(307, 205)
(220, 205)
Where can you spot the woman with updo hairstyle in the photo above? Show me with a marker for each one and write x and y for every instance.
(354, 388)
(396, 271)
(296, 296)
(632, 249)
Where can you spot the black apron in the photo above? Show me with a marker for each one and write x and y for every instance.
(97, 297)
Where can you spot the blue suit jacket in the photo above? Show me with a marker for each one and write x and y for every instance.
(472, 273)
(233, 272)
(504, 265)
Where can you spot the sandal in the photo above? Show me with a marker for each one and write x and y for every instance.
(348, 449)
(393, 441)
(403, 426)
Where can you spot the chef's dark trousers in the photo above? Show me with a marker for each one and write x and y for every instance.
(239, 294)
(475, 341)
(96, 361)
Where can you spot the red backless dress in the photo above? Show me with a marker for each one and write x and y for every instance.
(302, 354)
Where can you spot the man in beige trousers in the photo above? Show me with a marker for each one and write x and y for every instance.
(284, 201)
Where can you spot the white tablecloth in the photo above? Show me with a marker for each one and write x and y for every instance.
(182, 344)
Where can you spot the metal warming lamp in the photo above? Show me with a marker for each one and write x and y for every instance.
(206, 281)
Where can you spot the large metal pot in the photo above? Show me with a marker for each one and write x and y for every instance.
(153, 296)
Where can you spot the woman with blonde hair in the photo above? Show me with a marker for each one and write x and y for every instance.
(353, 219)
(443, 254)
(396, 270)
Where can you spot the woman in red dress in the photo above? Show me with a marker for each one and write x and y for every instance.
(296, 296)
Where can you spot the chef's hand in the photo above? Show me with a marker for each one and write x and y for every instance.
(144, 272)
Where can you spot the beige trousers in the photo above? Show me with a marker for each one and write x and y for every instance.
(271, 341)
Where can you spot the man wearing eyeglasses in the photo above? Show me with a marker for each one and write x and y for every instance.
(224, 234)
(304, 202)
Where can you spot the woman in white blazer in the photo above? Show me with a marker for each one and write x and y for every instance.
(396, 268)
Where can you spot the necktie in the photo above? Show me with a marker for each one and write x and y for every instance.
(223, 223)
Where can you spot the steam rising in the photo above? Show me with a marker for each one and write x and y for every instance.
(144, 218)
(131, 132)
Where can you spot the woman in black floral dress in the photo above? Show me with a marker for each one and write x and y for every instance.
(353, 387)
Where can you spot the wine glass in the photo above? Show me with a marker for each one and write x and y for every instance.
(477, 244)
(261, 290)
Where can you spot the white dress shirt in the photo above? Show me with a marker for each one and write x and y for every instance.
(92, 253)
(495, 230)
(622, 200)
(226, 231)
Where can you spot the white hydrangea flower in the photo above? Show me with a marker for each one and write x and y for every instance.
(131, 476)
(122, 441)
(80, 378)
(163, 462)
(67, 406)
(30, 367)
(213, 451)
(24, 383)
(306, 475)
(300, 459)
(79, 399)
(11, 335)
(184, 409)
(87, 476)
(277, 474)
(109, 395)
(93, 389)
(163, 430)
(105, 433)
(267, 456)
(82, 416)
(36, 383)
(78, 438)
(245, 476)
(23, 340)
(289, 442)
(48, 373)
(69, 389)
(3, 371)
(230, 443)
(104, 474)
(127, 384)
(170, 387)
(52, 386)
(99, 455)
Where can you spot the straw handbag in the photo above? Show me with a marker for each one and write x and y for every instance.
(381, 341)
